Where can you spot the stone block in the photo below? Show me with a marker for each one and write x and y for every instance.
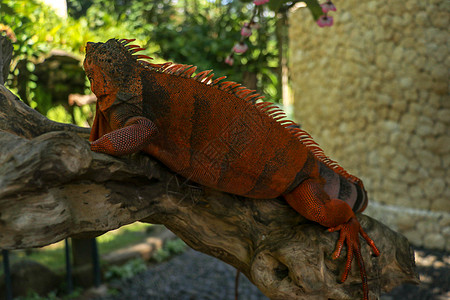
(427, 226)
(440, 36)
(416, 193)
(424, 96)
(428, 159)
(444, 222)
(424, 130)
(387, 152)
(412, 5)
(439, 72)
(371, 6)
(412, 96)
(429, 112)
(440, 204)
(400, 105)
(434, 241)
(447, 57)
(408, 122)
(408, 43)
(397, 54)
(411, 178)
(423, 81)
(441, 145)
(420, 62)
(446, 232)
(440, 87)
(400, 162)
(443, 115)
(405, 222)
(414, 237)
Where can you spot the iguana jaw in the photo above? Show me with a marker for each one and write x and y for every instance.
(101, 85)
(100, 126)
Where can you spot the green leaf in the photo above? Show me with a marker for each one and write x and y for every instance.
(275, 4)
(314, 8)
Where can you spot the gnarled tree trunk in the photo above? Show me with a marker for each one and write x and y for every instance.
(53, 187)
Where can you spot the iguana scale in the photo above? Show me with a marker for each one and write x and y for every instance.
(218, 133)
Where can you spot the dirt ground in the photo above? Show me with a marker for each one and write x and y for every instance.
(194, 275)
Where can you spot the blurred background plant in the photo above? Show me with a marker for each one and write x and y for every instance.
(170, 248)
(45, 86)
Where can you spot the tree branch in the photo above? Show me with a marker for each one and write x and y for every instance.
(52, 187)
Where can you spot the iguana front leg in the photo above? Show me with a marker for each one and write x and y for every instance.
(135, 135)
(311, 201)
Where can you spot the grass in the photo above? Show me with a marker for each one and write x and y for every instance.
(121, 237)
(53, 257)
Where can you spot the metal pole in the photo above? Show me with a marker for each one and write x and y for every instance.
(69, 280)
(96, 263)
(8, 283)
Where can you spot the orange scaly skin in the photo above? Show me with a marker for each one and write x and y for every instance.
(214, 132)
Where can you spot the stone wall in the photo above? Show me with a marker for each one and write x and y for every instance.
(373, 90)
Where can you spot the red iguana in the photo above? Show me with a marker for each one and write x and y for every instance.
(216, 133)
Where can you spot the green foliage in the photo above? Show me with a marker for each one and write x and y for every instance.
(170, 248)
(283, 5)
(315, 8)
(53, 256)
(211, 34)
(125, 235)
(38, 29)
(127, 270)
(52, 296)
(59, 114)
(36, 296)
(275, 5)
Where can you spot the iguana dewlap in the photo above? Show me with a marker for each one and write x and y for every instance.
(214, 132)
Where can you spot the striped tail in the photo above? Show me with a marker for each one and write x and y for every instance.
(339, 184)
(339, 187)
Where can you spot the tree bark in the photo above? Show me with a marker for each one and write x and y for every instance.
(53, 187)
(6, 50)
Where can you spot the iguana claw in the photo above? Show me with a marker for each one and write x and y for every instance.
(349, 232)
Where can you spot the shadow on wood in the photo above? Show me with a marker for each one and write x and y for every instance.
(52, 187)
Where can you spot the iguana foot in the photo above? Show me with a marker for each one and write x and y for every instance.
(349, 232)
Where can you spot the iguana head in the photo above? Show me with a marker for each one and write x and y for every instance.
(108, 66)
(112, 69)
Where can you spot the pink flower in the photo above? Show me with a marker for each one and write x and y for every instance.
(240, 48)
(328, 6)
(324, 21)
(229, 60)
(246, 30)
(260, 2)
